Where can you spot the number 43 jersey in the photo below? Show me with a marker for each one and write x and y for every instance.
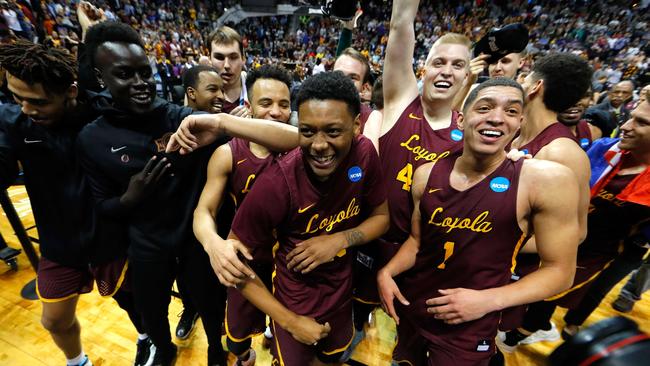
(468, 240)
(411, 143)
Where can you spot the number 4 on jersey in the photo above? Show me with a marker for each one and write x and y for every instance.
(406, 176)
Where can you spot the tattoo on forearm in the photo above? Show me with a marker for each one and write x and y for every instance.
(354, 237)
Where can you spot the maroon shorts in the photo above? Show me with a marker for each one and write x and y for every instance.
(56, 282)
(289, 352)
(413, 349)
(243, 320)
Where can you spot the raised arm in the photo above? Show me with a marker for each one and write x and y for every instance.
(223, 253)
(199, 130)
(400, 84)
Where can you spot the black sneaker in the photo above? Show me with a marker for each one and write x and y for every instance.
(186, 324)
(145, 352)
(166, 357)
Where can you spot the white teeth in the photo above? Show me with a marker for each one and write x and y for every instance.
(323, 159)
(491, 133)
(442, 84)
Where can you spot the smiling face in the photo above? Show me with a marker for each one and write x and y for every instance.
(208, 95)
(270, 100)
(571, 116)
(125, 70)
(42, 107)
(491, 121)
(327, 129)
(445, 70)
(635, 133)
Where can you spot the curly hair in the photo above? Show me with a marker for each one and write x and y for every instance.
(109, 32)
(53, 68)
(330, 86)
(566, 79)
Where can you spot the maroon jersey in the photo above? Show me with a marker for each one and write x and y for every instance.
(409, 144)
(468, 239)
(363, 116)
(287, 200)
(583, 134)
(550, 133)
(245, 168)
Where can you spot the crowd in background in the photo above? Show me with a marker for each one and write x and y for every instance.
(613, 35)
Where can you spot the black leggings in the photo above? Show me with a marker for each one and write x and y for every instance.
(126, 301)
(207, 295)
(152, 282)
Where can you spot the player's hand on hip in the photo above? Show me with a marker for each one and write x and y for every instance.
(230, 270)
(143, 183)
(241, 111)
(195, 131)
(460, 305)
(311, 253)
(307, 330)
(388, 292)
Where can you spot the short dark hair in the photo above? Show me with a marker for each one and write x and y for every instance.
(500, 81)
(330, 86)
(274, 72)
(191, 75)
(53, 68)
(353, 53)
(225, 35)
(109, 31)
(566, 79)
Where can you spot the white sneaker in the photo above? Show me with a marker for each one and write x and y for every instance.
(500, 342)
(550, 335)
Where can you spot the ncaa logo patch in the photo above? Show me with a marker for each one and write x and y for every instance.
(584, 142)
(355, 174)
(499, 184)
(456, 135)
(525, 151)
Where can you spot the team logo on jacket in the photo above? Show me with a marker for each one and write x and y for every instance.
(456, 135)
(162, 142)
(355, 174)
(500, 184)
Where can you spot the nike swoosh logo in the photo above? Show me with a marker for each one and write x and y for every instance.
(32, 141)
(241, 161)
(413, 116)
(435, 190)
(301, 210)
(114, 150)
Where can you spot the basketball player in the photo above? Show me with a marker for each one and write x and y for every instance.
(615, 213)
(152, 192)
(40, 132)
(578, 121)
(355, 66)
(466, 207)
(227, 56)
(317, 202)
(204, 89)
(232, 171)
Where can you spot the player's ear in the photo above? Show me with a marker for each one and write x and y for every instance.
(357, 125)
(72, 92)
(191, 93)
(536, 89)
(459, 121)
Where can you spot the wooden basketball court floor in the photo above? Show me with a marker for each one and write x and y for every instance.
(109, 339)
